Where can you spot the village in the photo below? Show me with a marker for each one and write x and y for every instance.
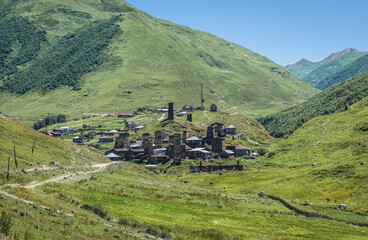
(161, 146)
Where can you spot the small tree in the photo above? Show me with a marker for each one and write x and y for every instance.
(6, 223)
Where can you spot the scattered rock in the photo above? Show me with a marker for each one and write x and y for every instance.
(362, 163)
(211, 182)
(343, 206)
(262, 193)
(185, 181)
(253, 176)
(225, 187)
(314, 164)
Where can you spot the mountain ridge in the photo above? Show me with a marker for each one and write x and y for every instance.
(151, 62)
(313, 72)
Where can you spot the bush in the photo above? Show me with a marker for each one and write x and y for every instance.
(6, 223)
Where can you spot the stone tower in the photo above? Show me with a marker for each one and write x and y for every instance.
(158, 139)
(171, 111)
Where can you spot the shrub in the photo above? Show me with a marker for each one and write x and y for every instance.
(6, 223)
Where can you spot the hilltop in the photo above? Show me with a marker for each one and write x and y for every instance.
(335, 99)
(138, 61)
(314, 72)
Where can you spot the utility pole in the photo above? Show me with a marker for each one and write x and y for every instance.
(15, 158)
(202, 100)
(34, 142)
(7, 174)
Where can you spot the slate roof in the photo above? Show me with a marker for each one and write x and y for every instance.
(112, 155)
(194, 139)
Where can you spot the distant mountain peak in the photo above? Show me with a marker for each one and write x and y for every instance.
(335, 55)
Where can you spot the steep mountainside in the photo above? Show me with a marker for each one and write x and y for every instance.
(314, 72)
(335, 99)
(359, 66)
(106, 56)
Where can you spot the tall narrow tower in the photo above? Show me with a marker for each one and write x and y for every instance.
(202, 100)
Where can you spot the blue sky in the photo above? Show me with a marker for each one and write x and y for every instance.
(282, 30)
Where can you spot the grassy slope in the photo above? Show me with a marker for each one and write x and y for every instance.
(359, 66)
(320, 160)
(203, 211)
(302, 68)
(316, 76)
(154, 58)
(334, 99)
(131, 193)
(47, 149)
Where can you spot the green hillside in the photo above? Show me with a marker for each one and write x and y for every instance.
(335, 99)
(126, 201)
(323, 162)
(138, 61)
(317, 76)
(314, 72)
(337, 145)
(359, 66)
(302, 68)
(47, 149)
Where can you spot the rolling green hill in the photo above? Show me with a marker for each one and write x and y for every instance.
(47, 149)
(335, 99)
(302, 68)
(138, 61)
(359, 66)
(315, 72)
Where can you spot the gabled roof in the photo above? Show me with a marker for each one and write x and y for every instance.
(229, 152)
(187, 147)
(194, 139)
(132, 122)
(112, 155)
(231, 126)
(240, 147)
(113, 131)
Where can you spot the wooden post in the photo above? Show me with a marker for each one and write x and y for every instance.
(7, 174)
(34, 142)
(15, 158)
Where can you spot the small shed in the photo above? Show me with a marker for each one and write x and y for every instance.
(113, 157)
(158, 158)
(194, 142)
(213, 108)
(198, 153)
(112, 133)
(242, 151)
(130, 125)
(231, 130)
(227, 154)
(80, 139)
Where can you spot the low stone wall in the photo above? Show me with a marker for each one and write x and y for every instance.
(211, 168)
(310, 214)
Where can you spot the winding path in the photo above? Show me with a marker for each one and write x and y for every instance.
(100, 167)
